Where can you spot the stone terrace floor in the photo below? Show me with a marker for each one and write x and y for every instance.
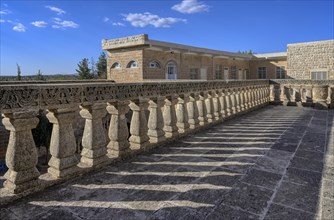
(269, 164)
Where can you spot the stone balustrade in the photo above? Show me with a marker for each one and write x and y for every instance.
(315, 93)
(161, 111)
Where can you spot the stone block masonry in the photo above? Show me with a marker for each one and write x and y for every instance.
(311, 56)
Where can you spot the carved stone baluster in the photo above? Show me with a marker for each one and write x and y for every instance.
(246, 100)
(21, 155)
(193, 111)
(222, 103)
(209, 107)
(201, 109)
(94, 140)
(169, 116)
(261, 101)
(256, 96)
(242, 101)
(272, 93)
(237, 100)
(284, 96)
(267, 94)
(156, 121)
(63, 161)
(233, 102)
(228, 103)
(250, 97)
(138, 126)
(182, 113)
(216, 106)
(329, 99)
(118, 129)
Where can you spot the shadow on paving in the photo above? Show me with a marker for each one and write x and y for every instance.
(268, 164)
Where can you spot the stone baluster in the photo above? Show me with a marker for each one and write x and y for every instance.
(320, 95)
(284, 94)
(302, 92)
(246, 100)
(256, 96)
(250, 97)
(202, 116)
(222, 103)
(242, 101)
(21, 155)
(118, 129)
(63, 161)
(228, 103)
(138, 126)
(292, 95)
(193, 111)
(94, 140)
(156, 120)
(182, 113)
(261, 95)
(216, 106)
(233, 102)
(329, 98)
(169, 116)
(237, 100)
(209, 107)
(267, 94)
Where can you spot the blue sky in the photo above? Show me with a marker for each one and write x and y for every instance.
(54, 36)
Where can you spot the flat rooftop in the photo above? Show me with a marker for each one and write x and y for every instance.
(274, 163)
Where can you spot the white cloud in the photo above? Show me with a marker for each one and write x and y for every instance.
(19, 27)
(59, 11)
(39, 23)
(118, 24)
(105, 19)
(5, 12)
(190, 7)
(2, 21)
(145, 19)
(62, 24)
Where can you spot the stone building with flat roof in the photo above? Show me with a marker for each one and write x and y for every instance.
(138, 58)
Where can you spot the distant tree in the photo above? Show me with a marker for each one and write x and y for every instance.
(83, 69)
(18, 72)
(39, 75)
(101, 66)
(246, 52)
(93, 70)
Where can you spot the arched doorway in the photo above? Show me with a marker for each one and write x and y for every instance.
(171, 70)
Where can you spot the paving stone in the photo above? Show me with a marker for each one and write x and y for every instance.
(279, 212)
(303, 177)
(183, 213)
(228, 213)
(311, 155)
(274, 161)
(298, 196)
(261, 178)
(328, 173)
(249, 198)
(285, 146)
(311, 165)
(8, 215)
(57, 214)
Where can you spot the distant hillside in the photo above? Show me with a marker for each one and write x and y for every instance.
(43, 77)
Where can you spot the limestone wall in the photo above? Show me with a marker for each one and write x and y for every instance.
(269, 64)
(305, 57)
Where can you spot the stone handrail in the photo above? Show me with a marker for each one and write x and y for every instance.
(175, 109)
(317, 93)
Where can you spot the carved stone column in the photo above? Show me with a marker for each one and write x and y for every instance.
(209, 107)
(182, 113)
(272, 93)
(21, 155)
(216, 106)
(222, 103)
(256, 96)
(242, 101)
(193, 111)
(237, 100)
(94, 139)
(233, 102)
(118, 129)
(169, 116)
(228, 103)
(250, 97)
(63, 161)
(156, 120)
(246, 100)
(202, 109)
(138, 126)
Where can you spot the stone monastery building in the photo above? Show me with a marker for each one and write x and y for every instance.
(138, 58)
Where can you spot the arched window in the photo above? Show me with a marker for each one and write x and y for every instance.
(154, 64)
(171, 70)
(132, 64)
(116, 65)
